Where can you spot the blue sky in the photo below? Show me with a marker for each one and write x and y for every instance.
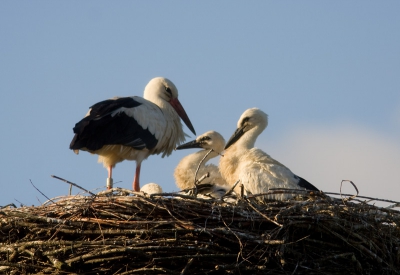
(326, 73)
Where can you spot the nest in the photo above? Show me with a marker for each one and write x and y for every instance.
(122, 232)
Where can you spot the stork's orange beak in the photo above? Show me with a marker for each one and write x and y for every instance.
(182, 114)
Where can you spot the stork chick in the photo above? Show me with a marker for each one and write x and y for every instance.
(255, 169)
(185, 171)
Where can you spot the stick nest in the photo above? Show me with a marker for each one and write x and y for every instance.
(122, 232)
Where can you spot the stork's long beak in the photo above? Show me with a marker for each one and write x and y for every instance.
(235, 137)
(182, 114)
(189, 145)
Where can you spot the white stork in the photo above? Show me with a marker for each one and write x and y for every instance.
(132, 128)
(184, 173)
(255, 169)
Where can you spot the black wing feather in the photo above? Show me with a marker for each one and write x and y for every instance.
(100, 128)
(106, 106)
(305, 184)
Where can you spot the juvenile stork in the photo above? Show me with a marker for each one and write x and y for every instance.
(255, 169)
(184, 173)
(132, 128)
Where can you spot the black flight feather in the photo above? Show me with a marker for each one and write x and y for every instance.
(99, 128)
(305, 184)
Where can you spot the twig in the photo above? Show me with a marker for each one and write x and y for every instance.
(231, 190)
(198, 168)
(364, 197)
(206, 175)
(352, 197)
(41, 192)
(7, 205)
(190, 261)
(22, 204)
(261, 214)
(153, 270)
(202, 256)
(393, 206)
(21, 266)
(74, 184)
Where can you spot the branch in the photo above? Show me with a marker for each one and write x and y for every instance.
(74, 184)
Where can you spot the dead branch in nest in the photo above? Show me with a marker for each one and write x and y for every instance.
(196, 181)
(72, 184)
(124, 232)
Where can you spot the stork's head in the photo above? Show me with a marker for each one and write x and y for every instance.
(151, 188)
(250, 125)
(163, 88)
(209, 140)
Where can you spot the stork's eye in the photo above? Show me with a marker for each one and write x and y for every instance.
(168, 90)
(203, 139)
(246, 119)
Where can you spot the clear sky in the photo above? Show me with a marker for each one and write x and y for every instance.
(326, 72)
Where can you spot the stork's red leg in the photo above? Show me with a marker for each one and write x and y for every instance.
(109, 171)
(136, 185)
(109, 179)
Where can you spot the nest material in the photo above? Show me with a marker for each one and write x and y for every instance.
(130, 233)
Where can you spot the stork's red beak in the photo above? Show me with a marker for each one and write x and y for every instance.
(182, 114)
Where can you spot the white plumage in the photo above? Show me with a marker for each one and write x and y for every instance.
(151, 188)
(255, 169)
(132, 128)
(184, 173)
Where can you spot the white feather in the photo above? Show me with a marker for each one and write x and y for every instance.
(255, 169)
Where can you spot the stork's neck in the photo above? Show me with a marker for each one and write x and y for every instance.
(228, 164)
(160, 102)
(156, 98)
(248, 140)
(169, 111)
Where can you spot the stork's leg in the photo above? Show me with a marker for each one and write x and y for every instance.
(135, 185)
(109, 179)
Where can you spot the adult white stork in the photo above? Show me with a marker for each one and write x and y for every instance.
(255, 169)
(185, 171)
(132, 128)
